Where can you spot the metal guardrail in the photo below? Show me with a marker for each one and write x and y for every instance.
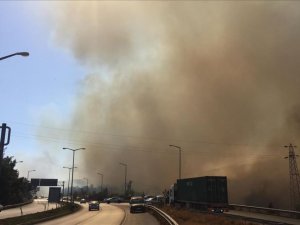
(268, 211)
(163, 215)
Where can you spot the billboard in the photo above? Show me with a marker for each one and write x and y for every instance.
(43, 182)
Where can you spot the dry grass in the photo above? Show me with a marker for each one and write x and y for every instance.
(188, 217)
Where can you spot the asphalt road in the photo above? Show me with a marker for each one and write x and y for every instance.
(110, 214)
(137, 218)
(38, 205)
(278, 219)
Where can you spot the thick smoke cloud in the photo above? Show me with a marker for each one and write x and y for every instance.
(219, 79)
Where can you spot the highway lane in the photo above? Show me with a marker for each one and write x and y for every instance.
(278, 219)
(137, 218)
(107, 215)
(110, 214)
(38, 205)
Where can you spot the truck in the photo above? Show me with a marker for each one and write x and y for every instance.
(208, 193)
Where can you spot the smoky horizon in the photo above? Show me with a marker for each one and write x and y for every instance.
(219, 79)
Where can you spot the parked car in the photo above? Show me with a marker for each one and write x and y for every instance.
(137, 204)
(1, 207)
(94, 205)
(113, 200)
(82, 201)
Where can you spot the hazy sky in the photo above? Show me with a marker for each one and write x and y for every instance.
(46, 81)
(127, 79)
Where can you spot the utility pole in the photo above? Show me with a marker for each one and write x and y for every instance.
(294, 177)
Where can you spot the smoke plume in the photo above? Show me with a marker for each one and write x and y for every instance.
(219, 79)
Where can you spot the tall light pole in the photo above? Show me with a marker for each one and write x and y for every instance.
(179, 149)
(4, 127)
(73, 150)
(87, 186)
(101, 180)
(29, 171)
(69, 168)
(17, 53)
(125, 165)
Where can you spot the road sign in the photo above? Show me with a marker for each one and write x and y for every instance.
(43, 182)
(54, 194)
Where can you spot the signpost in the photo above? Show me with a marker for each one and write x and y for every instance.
(3, 142)
(54, 194)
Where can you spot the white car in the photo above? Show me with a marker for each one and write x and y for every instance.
(159, 199)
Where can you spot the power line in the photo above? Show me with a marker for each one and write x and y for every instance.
(70, 132)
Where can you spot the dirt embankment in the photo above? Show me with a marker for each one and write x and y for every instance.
(191, 217)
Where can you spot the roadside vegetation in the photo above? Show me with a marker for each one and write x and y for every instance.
(189, 217)
(40, 216)
(13, 190)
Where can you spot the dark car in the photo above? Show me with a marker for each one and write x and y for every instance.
(94, 205)
(137, 204)
(113, 200)
(217, 210)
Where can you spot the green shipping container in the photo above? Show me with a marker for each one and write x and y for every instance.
(209, 190)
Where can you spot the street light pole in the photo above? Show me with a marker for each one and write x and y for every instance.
(17, 53)
(101, 180)
(87, 186)
(125, 165)
(29, 171)
(73, 150)
(69, 168)
(179, 148)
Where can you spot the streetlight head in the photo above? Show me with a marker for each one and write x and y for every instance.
(73, 149)
(23, 53)
(175, 146)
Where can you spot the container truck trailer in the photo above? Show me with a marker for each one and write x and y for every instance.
(207, 193)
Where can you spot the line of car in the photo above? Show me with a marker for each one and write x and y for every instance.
(136, 203)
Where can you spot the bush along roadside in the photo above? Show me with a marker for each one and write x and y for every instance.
(41, 216)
